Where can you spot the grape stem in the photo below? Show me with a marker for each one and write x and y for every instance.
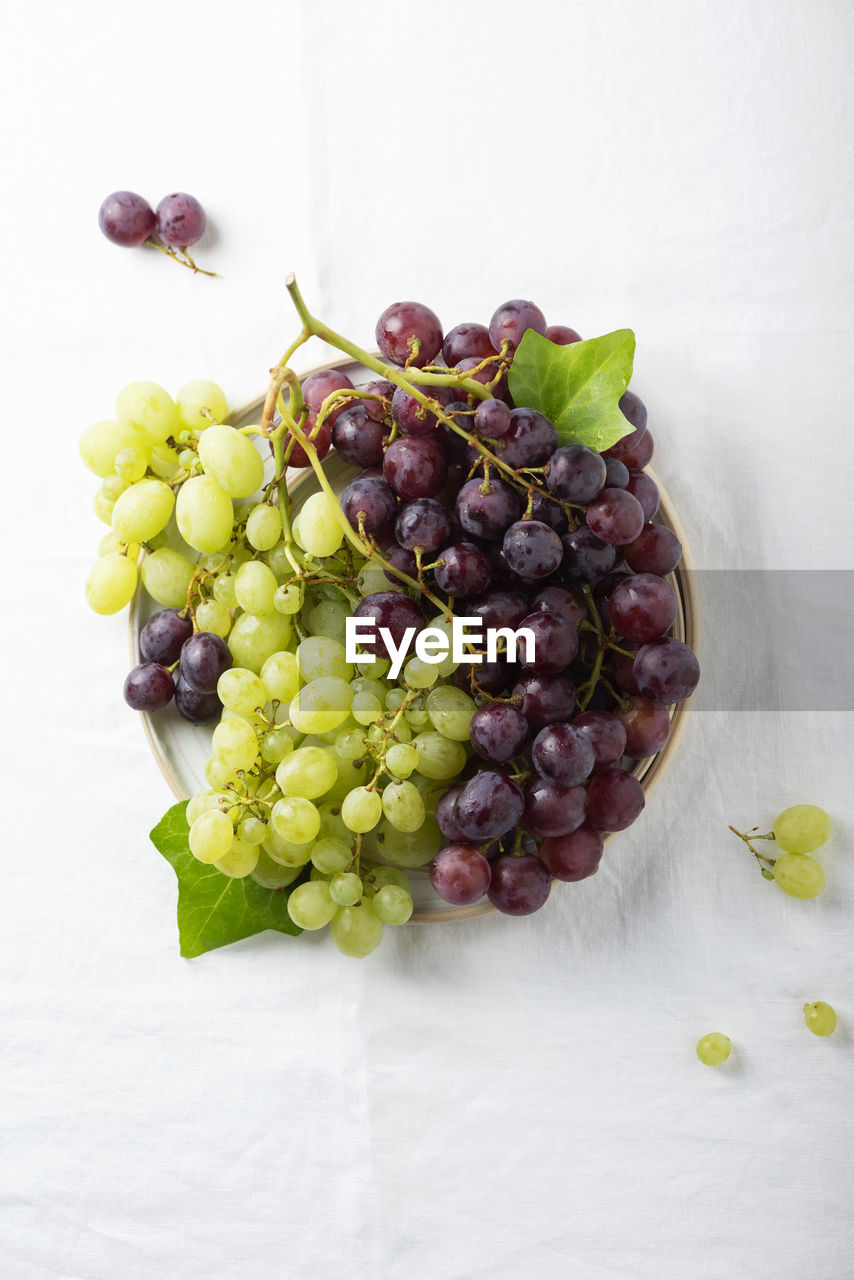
(764, 861)
(185, 261)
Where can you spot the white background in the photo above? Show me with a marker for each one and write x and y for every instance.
(509, 1098)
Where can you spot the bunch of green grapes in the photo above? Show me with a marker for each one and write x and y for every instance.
(798, 831)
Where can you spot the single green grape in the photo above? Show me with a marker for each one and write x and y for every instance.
(280, 561)
(331, 855)
(450, 711)
(329, 618)
(366, 708)
(199, 804)
(319, 656)
(200, 403)
(714, 1048)
(419, 674)
(211, 836)
(361, 809)
(401, 759)
(240, 860)
(223, 590)
(204, 514)
(321, 705)
(288, 599)
(395, 698)
(308, 772)
(381, 876)
(147, 411)
(345, 888)
(165, 462)
(295, 819)
(231, 459)
(820, 1018)
(447, 666)
(220, 775)
(280, 676)
(101, 444)
(356, 931)
(112, 542)
(799, 875)
(166, 576)
(349, 744)
(235, 744)
(186, 458)
(285, 852)
(271, 874)
(214, 617)
(438, 757)
(255, 587)
(416, 714)
(263, 527)
(113, 487)
(310, 905)
(142, 510)
(320, 523)
(253, 640)
(801, 828)
(393, 904)
(240, 690)
(371, 579)
(403, 806)
(131, 464)
(408, 848)
(111, 583)
(252, 830)
(276, 744)
(103, 507)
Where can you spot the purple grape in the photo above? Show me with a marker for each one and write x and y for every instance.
(445, 816)
(606, 733)
(574, 856)
(320, 437)
(204, 657)
(497, 609)
(463, 570)
(542, 507)
(585, 557)
(358, 438)
(642, 607)
(488, 805)
(492, 419)
(498, 732)
(555, 643)
(377, 409)
(519, 886)
(460, 874)
(485, 376)
(569, 604)
(161, 638)
(392, 610)
(639, 454)
(486, 508)
(400, 325)
(411, 416)
(615, 517)
(633, 410)
(149, 687)
(530, 439)
(576, 473)
(512, 320)
(317, 386)
(624, 672)
(401, 559)
(532, 549)
(614, 800)
(422, 523)
(646, 725)
(198, 708)
(545, 699)
(655, 550)
(563, 754)
(666, 671)
(644, 488)
(415, 468)
(551, 809)
(126, 219)
(488, 677)
(464, 341)
(180, 220)
(370, 499)
(616, 474)
(561, 335)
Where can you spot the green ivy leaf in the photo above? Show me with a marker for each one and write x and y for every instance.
(577, 387)
(213, 909)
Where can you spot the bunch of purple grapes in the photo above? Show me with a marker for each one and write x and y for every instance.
(128, 220)
(569, 539)
(176, 663)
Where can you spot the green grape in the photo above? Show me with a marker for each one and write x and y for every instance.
(356, 931)
(319, 656)
(349, 744)
(253, 640)
(308, 772)
(252, 830)
(223, 590)
(329, 618)
(314, 874)
(166, 576)
(240, 861)
(131, 464)
(279, 560)
(255, 587)
(220, 775)
(416, 714)
(112, 542)
(164, 462)
(285, 852)
(395, 699)
(351, 774)
(331, 855)
(186, 458)
(214, 617)
(820, 1018)
(276, 744)
(101, 444)
(366, 708)
(234, 743)
(450, 711)
(271, 874)
(263, 527)
(381, 876)
(361, 809)
(418, 674)
(111, 583)
(280, 676)
(447, 666)
(377, 669)
(204, 514)
(801, 828)
(148, 411)
(320, 518)
(345, 888)
(103, 507)
(288, 599)
(401, 759)
(372, 579)
(240, 691)
(438, 757)
(378, 732)
(799, 875)
(409, 848)
(201, 402)
(403, 806)
(322, 705)
(143, 510)
(714, 1048)
(295, 530)
(295, 819)
(332, 825)
(112, 488)
(393, 905)
(232, 460)
(310, 905)
(211, 836)
(200, 803)
(364, 684)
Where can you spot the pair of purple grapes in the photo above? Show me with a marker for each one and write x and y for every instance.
(127, 219)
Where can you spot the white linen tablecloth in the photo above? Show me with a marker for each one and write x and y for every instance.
(508, 1098)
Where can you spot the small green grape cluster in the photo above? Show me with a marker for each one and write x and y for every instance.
(798, 831)
(715, 1048)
